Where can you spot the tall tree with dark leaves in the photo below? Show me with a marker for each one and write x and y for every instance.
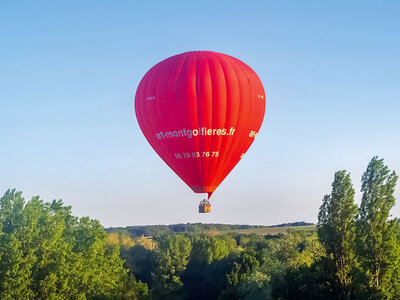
(336, 231)
(171, 259)
(378, 247)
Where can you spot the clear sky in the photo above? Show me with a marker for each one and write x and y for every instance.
(69, 71)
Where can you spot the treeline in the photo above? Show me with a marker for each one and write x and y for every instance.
(46, 253)
(354, 254)
(155, 230)
(228, 266)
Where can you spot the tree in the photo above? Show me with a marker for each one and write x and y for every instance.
(171, 257)
(377, 245)
(336, 231)
(246, 265)
(205, 251)
(255, 286)
(46, 253)
(296, 248)
(134, 290)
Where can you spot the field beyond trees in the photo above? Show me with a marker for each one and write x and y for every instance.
(352, 253)
(210, 229)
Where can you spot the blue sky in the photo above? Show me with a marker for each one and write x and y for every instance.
(69, 71)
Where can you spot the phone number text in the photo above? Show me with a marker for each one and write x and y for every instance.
(185, 155)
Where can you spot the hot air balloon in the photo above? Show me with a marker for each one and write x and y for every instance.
(200, 111)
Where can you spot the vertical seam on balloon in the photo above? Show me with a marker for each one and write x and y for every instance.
(193, 140)
(144, 108)
(223, 167)
(138, 108)
(177, 166)
(262, 116)
(178, 73)
(212, 123)
(215, 101)
(228, 163)
(179, 145)
(166, 145)
(240, 70)
(216, 172)
(201, 165)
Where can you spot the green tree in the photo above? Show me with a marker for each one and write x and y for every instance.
(378, 247)
(336, 231)
(255, 286)
(171, 258)
(296, 249)
(139, 261)
(205, 251)
(243, 268)
(46, 253)
(258, 285)
(134, 290)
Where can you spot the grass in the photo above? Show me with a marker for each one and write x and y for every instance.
(270, 230)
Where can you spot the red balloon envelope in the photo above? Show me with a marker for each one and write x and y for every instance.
(200, 111)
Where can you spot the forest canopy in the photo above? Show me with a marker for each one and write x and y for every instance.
(354, 253)
(154, 230)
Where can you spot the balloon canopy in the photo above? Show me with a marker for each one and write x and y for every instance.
(200, 111)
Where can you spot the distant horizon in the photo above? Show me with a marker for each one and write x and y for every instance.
(215, 224)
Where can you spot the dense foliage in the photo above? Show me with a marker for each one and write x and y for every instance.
(154, 230)
(336, 230)
(46, 253)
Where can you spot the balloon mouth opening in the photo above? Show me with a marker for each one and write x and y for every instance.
(209, 190)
